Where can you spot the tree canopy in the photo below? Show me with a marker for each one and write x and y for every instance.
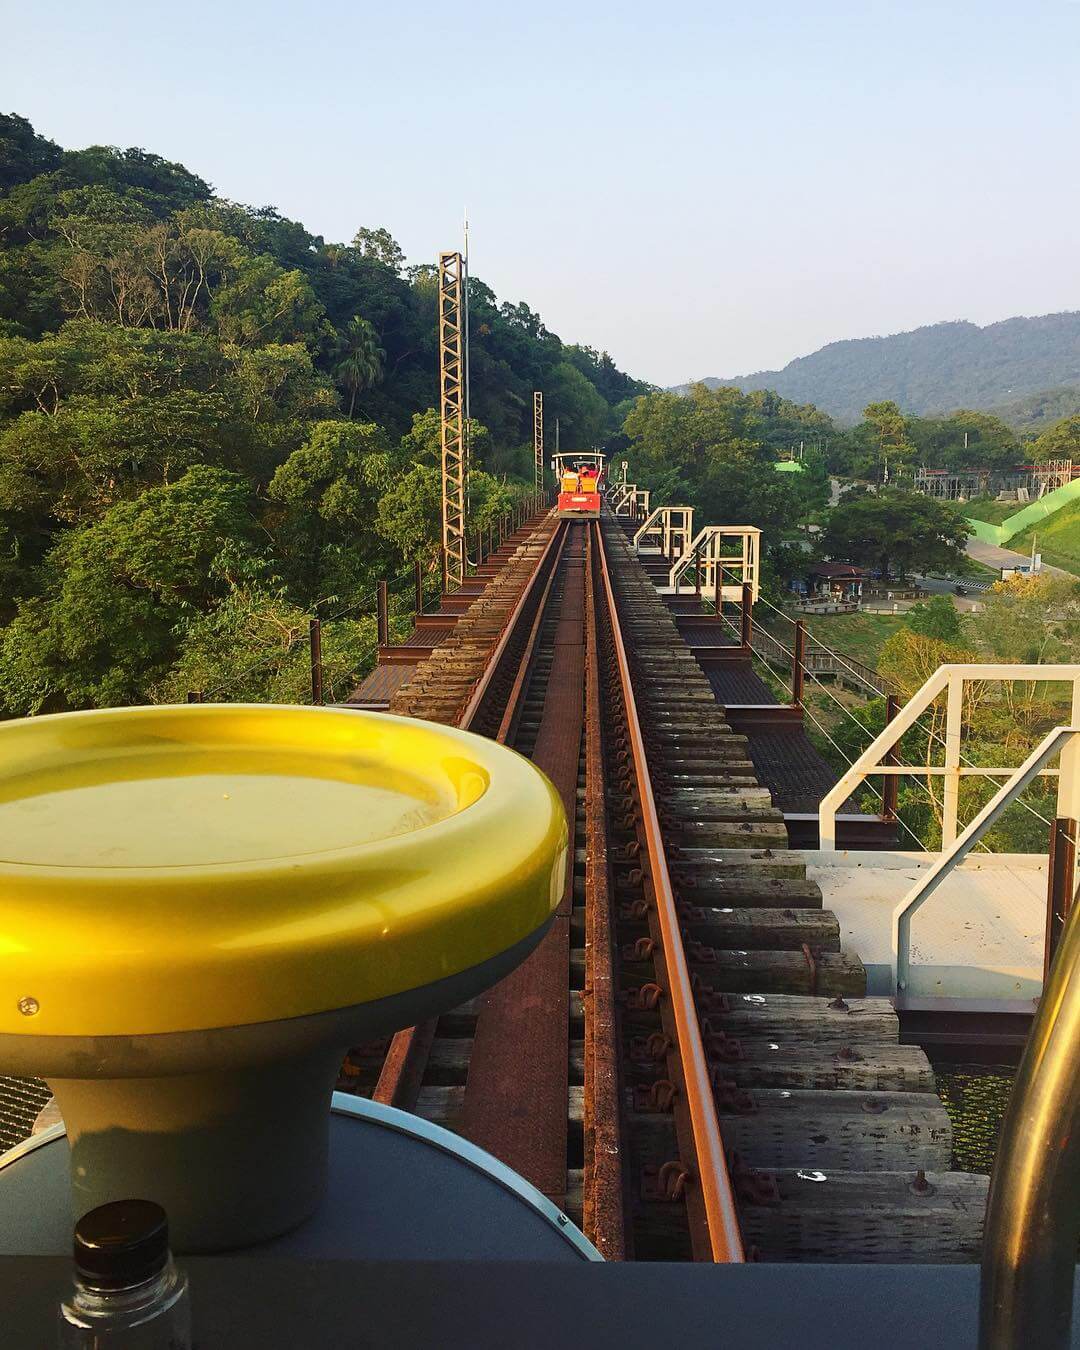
(895, 531)
(214, 422)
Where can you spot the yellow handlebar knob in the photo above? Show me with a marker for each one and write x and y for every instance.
(171, 869)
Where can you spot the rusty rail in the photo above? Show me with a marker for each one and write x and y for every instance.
(403, 1070)
(603, 1210)
(711, 1176)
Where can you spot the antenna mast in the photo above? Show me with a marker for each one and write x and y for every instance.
(467, 427)
(538, 441)
(451, 416)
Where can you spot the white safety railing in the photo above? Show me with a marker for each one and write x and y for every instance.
(622, 497)
(667, 531)
(950, 680)
(642, 496)
(720, 559)
(1061, 741)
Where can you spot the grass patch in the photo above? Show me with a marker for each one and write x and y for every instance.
(859, 635)
(989, 509)
(1057, 538)
(980, 571)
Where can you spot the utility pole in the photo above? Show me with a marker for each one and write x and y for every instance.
(538, 440)
(451, 415)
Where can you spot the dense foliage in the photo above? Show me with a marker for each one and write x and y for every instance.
(1033, 413)
(935, 368)
(716, 450)
(896, 532)
(213, 421)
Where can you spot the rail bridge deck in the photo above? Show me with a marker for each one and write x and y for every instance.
(576, 1070)
(688, 1064)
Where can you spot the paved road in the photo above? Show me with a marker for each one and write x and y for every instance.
(993, 555)
(972, 602)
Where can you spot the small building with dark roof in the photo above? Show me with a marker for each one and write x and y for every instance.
(837, 581)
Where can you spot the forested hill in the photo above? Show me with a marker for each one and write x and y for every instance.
(933, 369)
(214, 424)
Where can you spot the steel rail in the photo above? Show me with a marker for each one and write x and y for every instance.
(604, 1217)
(403, 1069)
(481, 686)
(725, 1239)
(512, 712)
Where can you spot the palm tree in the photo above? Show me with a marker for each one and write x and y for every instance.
(360, 358)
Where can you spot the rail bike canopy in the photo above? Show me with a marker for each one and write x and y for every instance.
(574, 461)
(580, 477)
(205, 906)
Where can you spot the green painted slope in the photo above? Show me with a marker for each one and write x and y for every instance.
(1057, 539)
(1029, 516)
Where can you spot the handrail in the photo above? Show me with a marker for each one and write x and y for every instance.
(724, 1236)
(650, 527)
(821, 658)
(1033, 1211)
(659, 522)
(1051, 745)
(710, 539)
(951, 677)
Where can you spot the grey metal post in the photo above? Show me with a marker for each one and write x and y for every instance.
(890, 788)
(798, 660)
(382, 610)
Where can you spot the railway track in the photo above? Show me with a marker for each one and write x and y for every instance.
(688, 1065)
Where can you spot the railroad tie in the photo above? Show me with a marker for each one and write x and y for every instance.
(839, 1145)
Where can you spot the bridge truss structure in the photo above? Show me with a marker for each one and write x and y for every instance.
(538, 441)
(452, 416)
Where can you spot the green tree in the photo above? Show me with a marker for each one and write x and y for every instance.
(1061, 441)
(935, 618)
(331, 487)
(381, 245)
(422, 443)
(265, 304)
(896, 530)
(253, 647)
(359, 362)
(116, 591)
(1032, 619)
(23, 154)
(888, 429)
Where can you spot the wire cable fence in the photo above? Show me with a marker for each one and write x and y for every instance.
(391, 605)
(931, 734)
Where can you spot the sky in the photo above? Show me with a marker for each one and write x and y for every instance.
(698, 188)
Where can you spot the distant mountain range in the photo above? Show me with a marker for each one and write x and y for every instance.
(1024, 365)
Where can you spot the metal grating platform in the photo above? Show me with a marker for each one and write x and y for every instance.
(20, 1101)
(786, 762)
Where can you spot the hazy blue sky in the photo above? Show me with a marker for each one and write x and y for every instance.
(700, 188)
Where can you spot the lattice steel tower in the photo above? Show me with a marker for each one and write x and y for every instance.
(452, 415)
(538, 440)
